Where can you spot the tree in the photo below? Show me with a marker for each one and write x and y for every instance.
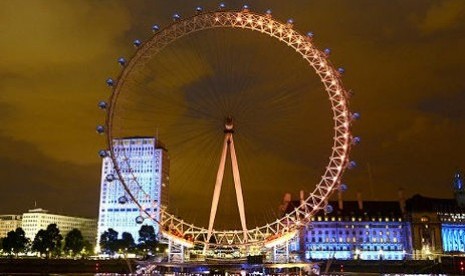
(48, 241)
(147, 234)
(40, 243)
(55, 237)
(74, 242)
(127, 242)
(109, 241)
(88, 248)
(147, 238)
(15, 242)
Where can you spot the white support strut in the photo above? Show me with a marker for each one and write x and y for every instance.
(228, 143)
(217, 191)
(238, 187)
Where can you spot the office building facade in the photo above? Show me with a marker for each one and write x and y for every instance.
(143, 164)
(38, 218)
(9, 223)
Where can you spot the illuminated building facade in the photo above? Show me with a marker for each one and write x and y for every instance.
(144, 166)
(37, 219)
(438, 225)
(9, 223)
(371, 230)
(366, 230)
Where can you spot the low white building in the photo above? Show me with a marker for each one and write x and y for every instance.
(9, 223)
(37, 219)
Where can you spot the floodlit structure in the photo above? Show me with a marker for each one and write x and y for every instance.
(37, 219)
(119, 110)
(144, 166)
(365, 230)
(438, 225)
(9, 223)
(378, 231)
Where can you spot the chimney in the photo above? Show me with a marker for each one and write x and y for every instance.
(339, 200)
(359, 200)
(401, 200)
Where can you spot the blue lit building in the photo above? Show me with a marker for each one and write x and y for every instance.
(438, 225)
(369, 230)
(144, 166)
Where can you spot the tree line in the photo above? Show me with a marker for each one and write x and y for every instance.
(47, 242)
(50, 243)
(148, 242)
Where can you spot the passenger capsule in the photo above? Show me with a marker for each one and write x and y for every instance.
(356, 140)
(352, 165)
(102, 105)
(327, 51)
(222, 5)
(328, 209)
(139, 219)
(136, 43)
(343, 187)
(110, 177)
(355, 116)
(199, 9)
(122, 200)
(341, 70)
(100, 129)
(245, 7)
(102, 153)
(110, 82)
(290, 21)
(122, 61)
(155, 28)
(310, 35)
(269, 12)
(176, 17)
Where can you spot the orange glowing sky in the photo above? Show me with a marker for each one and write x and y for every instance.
(404, 60)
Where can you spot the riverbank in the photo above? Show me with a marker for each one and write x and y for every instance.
(46, 266)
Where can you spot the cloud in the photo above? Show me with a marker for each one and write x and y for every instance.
(38, 34)
(403, 59)
(29, 176)
(443, 15)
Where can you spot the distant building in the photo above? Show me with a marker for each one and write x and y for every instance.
(144, 166)
(9, 223)
(369, 230)
(438, 225)
(37, 219)
(366, 230)
(417, 228)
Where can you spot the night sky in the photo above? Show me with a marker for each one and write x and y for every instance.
(404, 60)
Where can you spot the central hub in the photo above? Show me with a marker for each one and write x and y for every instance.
(229, 125)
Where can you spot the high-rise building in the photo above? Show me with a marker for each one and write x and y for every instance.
(37, 219)
(144, 166)
(9, 223)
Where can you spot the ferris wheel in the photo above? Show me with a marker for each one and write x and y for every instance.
(282, 228)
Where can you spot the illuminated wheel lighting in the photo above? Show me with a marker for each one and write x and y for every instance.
(330, 78)
(178, 240)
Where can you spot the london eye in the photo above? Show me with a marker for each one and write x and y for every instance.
(204, 79)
